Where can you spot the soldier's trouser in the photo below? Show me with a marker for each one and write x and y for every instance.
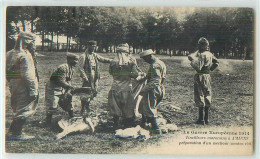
(85, 101)
(202, 95)
(202, 90)
(150, 101)
(21, 115)
(121, 103)
(52, 96)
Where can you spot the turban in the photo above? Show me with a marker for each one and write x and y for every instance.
(123, 48)
(146, 52)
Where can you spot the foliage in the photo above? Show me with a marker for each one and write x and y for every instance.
(229, 30)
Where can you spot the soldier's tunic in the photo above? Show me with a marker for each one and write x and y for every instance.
(153, 91)
(202, 63)
(88, 67)
(120, 98)
(56, 86)
(23, 82)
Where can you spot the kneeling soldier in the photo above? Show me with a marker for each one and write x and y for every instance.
(58, 88)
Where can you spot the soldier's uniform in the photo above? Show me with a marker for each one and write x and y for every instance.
(58, 85)
(203, 61)
(89, 71)
(120, 98)
(154, 91)
(23, 82)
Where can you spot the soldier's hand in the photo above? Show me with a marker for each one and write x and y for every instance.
(190, 58)
(94, 91)
(85, 79)
(33, 97)
(72, 89)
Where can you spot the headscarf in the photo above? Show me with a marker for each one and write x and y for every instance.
(122, 52)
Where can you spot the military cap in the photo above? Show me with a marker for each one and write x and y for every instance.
(27, 35)
(72, 56)
(203, 42)
(123, 48)
(92, 42)
(146, 52)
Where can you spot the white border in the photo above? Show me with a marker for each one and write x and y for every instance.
(255, 4)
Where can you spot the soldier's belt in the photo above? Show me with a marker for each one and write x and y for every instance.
(202, 72)
(80, 90)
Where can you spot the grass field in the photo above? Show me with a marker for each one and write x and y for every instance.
(233, 105)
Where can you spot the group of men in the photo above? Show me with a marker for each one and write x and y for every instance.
(23, 80)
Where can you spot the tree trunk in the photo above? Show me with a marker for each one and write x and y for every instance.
(51, 40)
(80, 44)
(57, 41)
(23, 24)
(69, 44)
(32, 26)
(42, 40)
(67, 48)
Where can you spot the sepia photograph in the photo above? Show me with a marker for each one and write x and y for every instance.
(130, 80)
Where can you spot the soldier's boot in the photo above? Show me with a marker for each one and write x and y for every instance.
(206, 117)
(15, 130)
(115, 122)
(129, 122)
(71, 114)
(48, 119)
(143, 121)
(85, 110)
(201, 116)
(155, 127)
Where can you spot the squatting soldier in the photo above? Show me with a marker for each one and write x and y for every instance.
(120, 98)
(59, 87)
(23, 80)
(203, 61)
(153, 92)
(89, 70)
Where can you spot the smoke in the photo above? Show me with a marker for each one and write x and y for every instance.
(185, 62)
(225, 66)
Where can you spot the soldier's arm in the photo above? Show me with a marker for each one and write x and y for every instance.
(103, 59)
(61, 78)
(154, 81)
(81, 70)
(28, 74)
(215, 63)
(134, 69)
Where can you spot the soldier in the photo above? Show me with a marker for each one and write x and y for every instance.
(120, 98)
(89, 70)
(203, 61)
(59, 87)
(23, 82)
(153, 91)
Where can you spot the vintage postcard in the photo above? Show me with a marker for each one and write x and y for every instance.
(130, 80)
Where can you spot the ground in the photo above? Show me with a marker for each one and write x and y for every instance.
(233, 105)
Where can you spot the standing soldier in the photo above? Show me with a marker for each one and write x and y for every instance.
(23, 79)
(89, 70)
(120, 98)
(203, 61)
(58, 88)
(153, 91)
